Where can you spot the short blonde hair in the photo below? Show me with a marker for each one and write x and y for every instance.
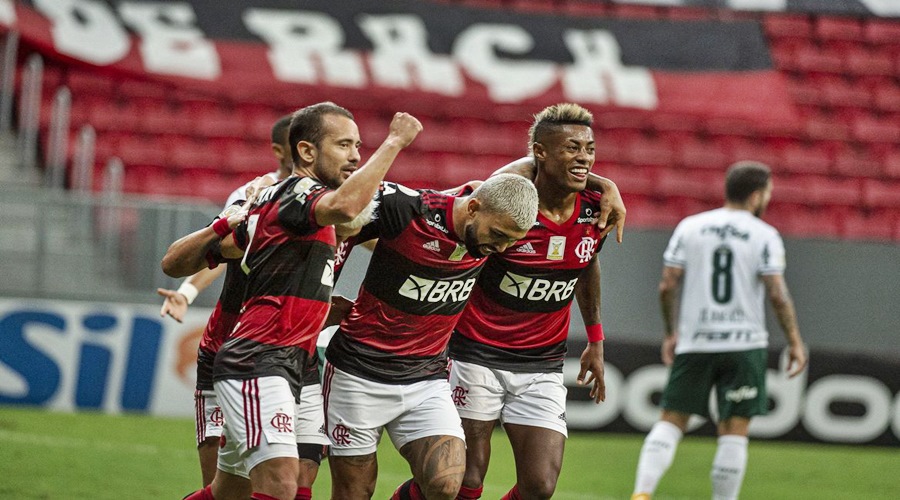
(509, 194)
(565, 113)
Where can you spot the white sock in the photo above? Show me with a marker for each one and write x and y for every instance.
(728, 467)
(656, 456)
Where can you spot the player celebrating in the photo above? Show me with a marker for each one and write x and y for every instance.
(386, 367)
(723, 261)
(290, 247)
(508, 348)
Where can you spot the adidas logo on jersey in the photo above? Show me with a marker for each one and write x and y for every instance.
(433, 245)
(526, 248)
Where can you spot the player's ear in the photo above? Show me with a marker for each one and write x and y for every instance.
(307, 151)
(472, 207)
(539, 151)
(278, 151)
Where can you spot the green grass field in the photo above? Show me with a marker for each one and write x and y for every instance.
(92, 456)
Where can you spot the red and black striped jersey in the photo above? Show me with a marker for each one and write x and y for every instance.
(289, 262)
(419, 278)
(518, 316)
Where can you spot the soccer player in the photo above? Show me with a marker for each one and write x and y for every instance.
(288, 246)
(386, 367)
(208, 415)
(508, 348)
(722, 263)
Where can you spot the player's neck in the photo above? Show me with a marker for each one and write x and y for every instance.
(555, 202)
(305, 172)
(460, 213)
(739, 206)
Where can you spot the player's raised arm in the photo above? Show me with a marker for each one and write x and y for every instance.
(192, 253)
(351, 198)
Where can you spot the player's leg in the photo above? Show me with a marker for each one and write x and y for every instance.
(259, 414)
(686, 393)
(208, 418)
(538, 453)
(534, 416)
(429, 436)
(741, 395)
(356, 411)
(478, 396)
(312, 443)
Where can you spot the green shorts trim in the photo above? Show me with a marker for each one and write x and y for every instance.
(739, 379)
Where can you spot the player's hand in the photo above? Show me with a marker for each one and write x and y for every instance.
(404, 128)
(668, 349)
(175, 304)
(239, 215)
(592, 361)
(796, 360)
(256, 187)
(340, 308)
(612, 213)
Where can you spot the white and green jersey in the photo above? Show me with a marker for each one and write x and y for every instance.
(723, 253)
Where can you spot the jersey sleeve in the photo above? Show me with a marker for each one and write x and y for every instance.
(398, 205)
(297, 203)
(675, 253)
(772, 260)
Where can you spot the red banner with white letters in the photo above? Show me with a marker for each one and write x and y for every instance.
(457, 60)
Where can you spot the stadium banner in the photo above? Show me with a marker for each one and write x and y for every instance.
(883, 8)
(445, 56)
(68, 356)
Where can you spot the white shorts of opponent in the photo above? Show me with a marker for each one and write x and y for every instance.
(535, 399)
(358, 409)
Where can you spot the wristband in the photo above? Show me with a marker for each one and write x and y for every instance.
(221, 227)
(594, 332)
(189, 291)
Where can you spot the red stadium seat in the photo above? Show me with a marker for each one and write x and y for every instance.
(698, 185)
(838, 28)
(142, 150)
(249, 158)
(649, 151)
(891, 162)
(881, 31)
(856, 162)
(803, 222)
(813, 58)
(703, 154)
(805, 158)
(860, 61)
(871, 129)
(881, 194)
(787, 25)
(877, 225)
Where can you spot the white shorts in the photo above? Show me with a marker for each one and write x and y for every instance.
(207, 415)
(311, 416)
(260, 422)
(358, 409)
(536, 399)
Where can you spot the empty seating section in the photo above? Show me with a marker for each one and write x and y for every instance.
(837, 170)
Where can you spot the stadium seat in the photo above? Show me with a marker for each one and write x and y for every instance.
(877, 225)
(649, 151)
(867, 128)
(813, 58)
(881, 31)
(811, 158)
(142, 150)
(861, 61)
(856, 162)
(891, 162)
(652, 215)
(697, 185)
(248, 158)
(838, 28)
(878, 193)
(703, 154)
(787, 25)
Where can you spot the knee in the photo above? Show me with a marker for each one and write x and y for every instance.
(446, 487)
(539, 486)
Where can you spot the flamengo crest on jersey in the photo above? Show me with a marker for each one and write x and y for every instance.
(518, 314)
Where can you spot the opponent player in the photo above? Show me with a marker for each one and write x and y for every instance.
(723, 262)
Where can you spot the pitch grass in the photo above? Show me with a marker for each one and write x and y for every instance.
(67, 456)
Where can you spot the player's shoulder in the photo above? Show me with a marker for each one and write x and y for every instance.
(591, 197)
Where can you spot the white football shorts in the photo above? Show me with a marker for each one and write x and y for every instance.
(358, 409)
(261, 422)
(311, 416)
(207, 415)
(536, 399)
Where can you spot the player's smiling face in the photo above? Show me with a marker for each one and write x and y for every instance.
(566, 155)
(338, 151)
